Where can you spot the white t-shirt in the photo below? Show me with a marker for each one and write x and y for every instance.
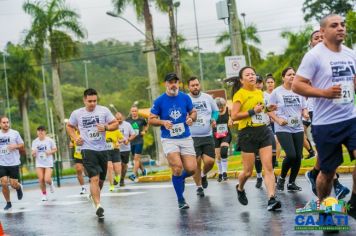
(41, 146)
(7, 157)
(86, 122)
(266, 97)
(204, 104)
(325, 68)
(289, 107)
(127, 130)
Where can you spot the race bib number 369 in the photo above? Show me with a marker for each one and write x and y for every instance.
(177, 129)
(94, 135)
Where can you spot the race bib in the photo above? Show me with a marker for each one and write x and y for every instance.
(109, 146)
(137, 131)
(260, 118)
(94, 135)
(42, 155)
(294, 121)
(4, 150)
(221, 128)
(78, 149)
(177, 129)
(347, 94)
(199, 122)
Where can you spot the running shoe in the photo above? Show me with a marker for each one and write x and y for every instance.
(132, 177)
(292, 187)
(51, 187)
(8, 206)
(280, 184)
(241, 196)
(312, 181)
(111, 188)
(220, 178)
(19, 192)
(136, 180)
(341, 191)
(99, 211)
(44, 198)
(311, 154)
(116, 180)
(225, 178)
(259, 181)
(122, 183)
(182, 204)
(84, 190)
(204, 181)
(273, 204)
(144, 172)
(200, 192)
(352, 211)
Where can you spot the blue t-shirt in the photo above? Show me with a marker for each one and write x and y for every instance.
(175, 109)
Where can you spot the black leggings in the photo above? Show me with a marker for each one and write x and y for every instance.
(292, 143)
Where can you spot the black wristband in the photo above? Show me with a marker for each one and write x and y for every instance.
(251, 112)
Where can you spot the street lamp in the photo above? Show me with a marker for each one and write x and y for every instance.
(6, 87)
(247, 46)
(86, 72)
(46, 99)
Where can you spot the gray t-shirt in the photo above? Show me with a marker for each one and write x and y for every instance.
(127, 130)
(41, 146)
(7, 157)
(325, 68)
(86, 122)
(204, 104)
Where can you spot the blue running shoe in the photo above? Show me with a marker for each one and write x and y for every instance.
(8, 206)
(132, 177)
(144, 172)
(312, 181)
(341, 191)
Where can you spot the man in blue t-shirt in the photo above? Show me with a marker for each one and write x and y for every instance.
(174, 112)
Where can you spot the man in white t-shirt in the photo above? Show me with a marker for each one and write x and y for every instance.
(331, 69)
(125, 147)
(10, 144)
(93, 121)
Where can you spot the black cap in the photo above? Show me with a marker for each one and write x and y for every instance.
(171, 76)
(259, 79)
(41, 127)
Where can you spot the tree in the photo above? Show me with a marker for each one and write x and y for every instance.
(351, 29)
(317, 9)
(24, 82)
(52, 20)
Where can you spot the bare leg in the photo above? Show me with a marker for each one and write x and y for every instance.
(95, 189)
(41, 179)
(266, 159)
(5, 188)
(248, 161)
(197, 175)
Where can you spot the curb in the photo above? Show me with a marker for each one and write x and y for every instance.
(234, 174)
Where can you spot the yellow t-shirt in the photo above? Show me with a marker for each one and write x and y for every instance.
(77, 149)
(249, 99)
(112, 138)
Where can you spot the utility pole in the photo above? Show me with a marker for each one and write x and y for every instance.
(199, 55)
(235, 31)
(86, 73)
(246, 38)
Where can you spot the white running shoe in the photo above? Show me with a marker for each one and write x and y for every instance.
(84, 191)
(44, 198)
(51, 187)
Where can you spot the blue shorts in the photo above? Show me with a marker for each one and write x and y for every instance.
(136, 148)
(329, 140)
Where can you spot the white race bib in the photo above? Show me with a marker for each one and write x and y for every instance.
(347, 93)
(199, 122)
(94, 135)
(4, 150)
(177, 129)
(78, 149)
(260, 118)
(294, 121)
(137, 131)
(109, 146)
(221, 128)
(42, 155)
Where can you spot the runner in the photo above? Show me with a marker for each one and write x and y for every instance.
(222, 137)
(93, 121)
(289, 129)
(253, 134)
(331, 68)
(125, 147)
(10, 144)
(114, 159)
(306, 123)
(340, 190)
(201, 131)
(174, 112)
(140, 127)
(43, 148)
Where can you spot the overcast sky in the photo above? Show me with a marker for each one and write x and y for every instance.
(270, 16)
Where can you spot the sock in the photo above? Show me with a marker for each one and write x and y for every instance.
(219, 166)
(199, 186)
(224, 165)
(178, 186)
(117, 178)
(202, 174)
(185, 174)
(44, 192)
(259, 175)
(314, 172)
(83, 186)
(97, 206)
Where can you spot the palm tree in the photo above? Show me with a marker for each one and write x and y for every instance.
(52, 20)
(23, 83)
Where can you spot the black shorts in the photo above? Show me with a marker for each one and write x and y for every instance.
(114, 155)
(95, 163)
(252, 139)
(204, 145)
(125, 157)
(13, 172)
(76, 160)
(219, 141)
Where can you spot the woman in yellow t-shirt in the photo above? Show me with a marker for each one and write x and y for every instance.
(253, 134)
(114, 159)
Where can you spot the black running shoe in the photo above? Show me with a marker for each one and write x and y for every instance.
(311, 154)
(292, 187)
(115, 182)
(182, 204)
(224, 176)
(259, 182)
(280, 184)
(312, 181)
(122, 183)
(220, 178)
(19, 193)
(204, 181)
(8, 206)
(241, 196)
(100, 212)
(200, 192)
(273, 204)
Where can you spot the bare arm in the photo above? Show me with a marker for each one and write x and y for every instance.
(237, 115)
(302, 87)
(71, 132)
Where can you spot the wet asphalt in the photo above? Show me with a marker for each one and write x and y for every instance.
(151, 209)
